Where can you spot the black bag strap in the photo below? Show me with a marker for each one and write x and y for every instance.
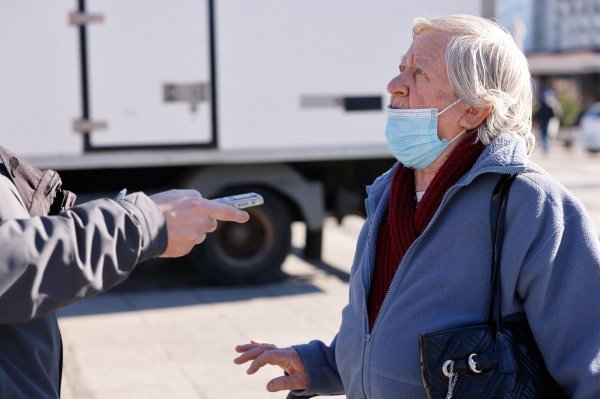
(497, 216)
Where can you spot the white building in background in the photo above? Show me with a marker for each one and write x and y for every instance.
(517, 17)
(552, 25)
(561, 38)
(574, 25)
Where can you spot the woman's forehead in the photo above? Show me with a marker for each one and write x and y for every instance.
(428, 48)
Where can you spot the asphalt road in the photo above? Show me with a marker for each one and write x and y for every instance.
(163, 334)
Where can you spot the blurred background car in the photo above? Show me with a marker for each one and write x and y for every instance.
(590, 128)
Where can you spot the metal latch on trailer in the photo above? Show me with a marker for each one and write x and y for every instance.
(86, 126)
(191, 93)
(78, 18)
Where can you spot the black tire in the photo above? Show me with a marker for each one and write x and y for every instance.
(251, 252)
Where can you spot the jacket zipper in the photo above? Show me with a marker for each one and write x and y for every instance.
(370, 332)
(433, 219)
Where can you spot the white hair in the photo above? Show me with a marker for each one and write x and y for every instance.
(486, 68)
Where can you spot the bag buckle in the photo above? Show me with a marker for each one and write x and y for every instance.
(473, 365)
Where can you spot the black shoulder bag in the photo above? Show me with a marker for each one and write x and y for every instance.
(495, 360)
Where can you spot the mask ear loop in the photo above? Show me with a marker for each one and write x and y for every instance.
(448, 107)
(457, 136)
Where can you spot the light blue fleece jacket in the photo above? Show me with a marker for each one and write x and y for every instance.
(550, 272)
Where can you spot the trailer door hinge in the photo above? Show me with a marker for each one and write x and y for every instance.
(85, 126)
(77, 18)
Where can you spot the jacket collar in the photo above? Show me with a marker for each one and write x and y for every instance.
(507, 153)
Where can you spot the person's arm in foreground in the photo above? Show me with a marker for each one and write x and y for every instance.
(49, 262)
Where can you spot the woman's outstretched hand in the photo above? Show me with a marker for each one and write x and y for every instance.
(288, 359)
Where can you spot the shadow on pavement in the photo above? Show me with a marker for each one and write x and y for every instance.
(117, 302)
(167, 283)
(324, 266)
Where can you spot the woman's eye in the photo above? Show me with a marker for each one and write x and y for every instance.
(419, 71)
(402, 68)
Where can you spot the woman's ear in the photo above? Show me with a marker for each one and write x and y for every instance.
(473, 117)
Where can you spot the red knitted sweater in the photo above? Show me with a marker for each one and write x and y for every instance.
(404, 221)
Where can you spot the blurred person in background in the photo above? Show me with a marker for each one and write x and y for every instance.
(547, 116)
(48, 262)
(459, 117)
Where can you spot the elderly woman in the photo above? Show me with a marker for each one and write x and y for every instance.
(459, 118)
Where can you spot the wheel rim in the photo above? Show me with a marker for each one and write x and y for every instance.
(245, 245)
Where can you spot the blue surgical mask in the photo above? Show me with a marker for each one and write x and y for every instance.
(412, 135)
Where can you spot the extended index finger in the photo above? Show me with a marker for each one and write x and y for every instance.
(250, 352)
(224, 212)
(272, 357)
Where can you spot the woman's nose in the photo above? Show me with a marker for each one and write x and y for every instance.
(396, 86)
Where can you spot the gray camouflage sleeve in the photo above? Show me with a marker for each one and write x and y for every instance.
(50, 262)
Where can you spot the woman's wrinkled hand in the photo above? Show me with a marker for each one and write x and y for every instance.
(288, 359)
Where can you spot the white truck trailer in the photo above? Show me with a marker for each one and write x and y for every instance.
(281, 97)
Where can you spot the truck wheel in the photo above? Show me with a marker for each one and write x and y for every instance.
(251, 252)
